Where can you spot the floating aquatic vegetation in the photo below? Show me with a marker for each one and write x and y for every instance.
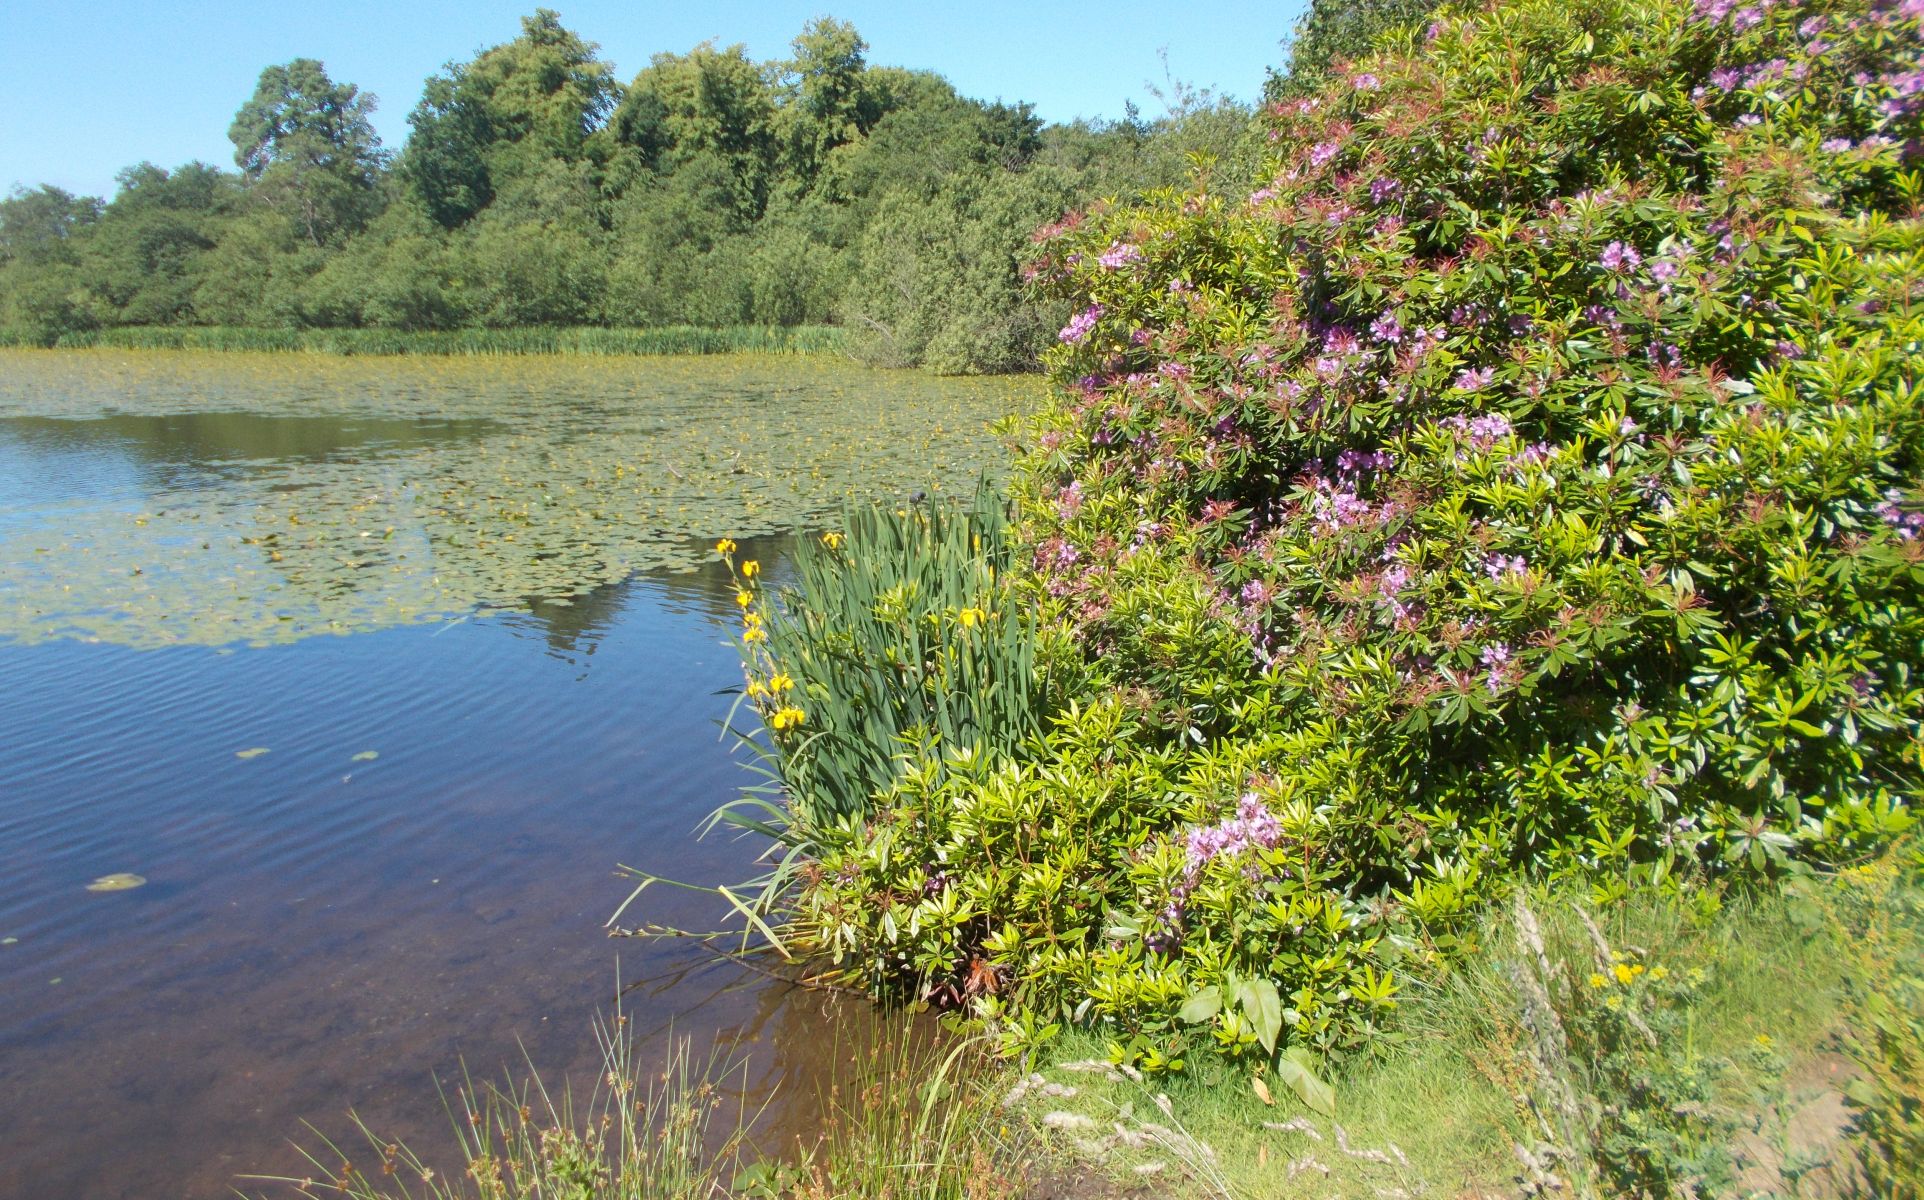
(313, 495)
(120, 881)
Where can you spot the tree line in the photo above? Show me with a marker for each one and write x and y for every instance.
(536, 188)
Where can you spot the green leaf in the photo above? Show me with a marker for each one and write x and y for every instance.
(1296, 1069)
(1264, 1008)
(1202, 1006)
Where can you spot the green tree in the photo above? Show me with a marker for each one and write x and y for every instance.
(306, 145)
(707, 102)
(540, 97)
(141, 263)
(40, 226)
(831, 104)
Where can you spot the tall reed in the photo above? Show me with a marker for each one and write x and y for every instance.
(674, 339)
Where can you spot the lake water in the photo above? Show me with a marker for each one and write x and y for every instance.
(484, 659)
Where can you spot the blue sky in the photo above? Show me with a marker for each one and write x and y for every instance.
(86, 89)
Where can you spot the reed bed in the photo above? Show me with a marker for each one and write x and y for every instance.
(673, 339)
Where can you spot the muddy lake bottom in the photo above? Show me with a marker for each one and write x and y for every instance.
(372, 857)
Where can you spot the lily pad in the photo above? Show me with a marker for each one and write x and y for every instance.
(254, 752)
(611, 467)
(120, 881)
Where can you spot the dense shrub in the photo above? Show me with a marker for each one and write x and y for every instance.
(1524, 476)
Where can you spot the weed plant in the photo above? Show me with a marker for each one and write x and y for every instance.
(647, 1131)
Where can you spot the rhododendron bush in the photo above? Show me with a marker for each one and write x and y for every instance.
(1522, 475)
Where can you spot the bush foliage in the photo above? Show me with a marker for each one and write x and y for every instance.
(1521, 475)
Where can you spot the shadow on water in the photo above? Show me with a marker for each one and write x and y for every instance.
(171, 451)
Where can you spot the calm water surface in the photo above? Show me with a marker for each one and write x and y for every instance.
(323, 930)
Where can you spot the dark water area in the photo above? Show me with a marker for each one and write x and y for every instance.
(413, 877)
(319, 933)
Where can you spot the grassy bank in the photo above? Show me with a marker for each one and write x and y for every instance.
(1691, 1044)
(1654, 1047)
(674, 339)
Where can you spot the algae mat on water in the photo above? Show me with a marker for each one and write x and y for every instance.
(154, 498)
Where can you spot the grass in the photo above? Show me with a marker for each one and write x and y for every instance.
(674, 339)
(1442, 1112)
(904, 1118)
(647, 1131)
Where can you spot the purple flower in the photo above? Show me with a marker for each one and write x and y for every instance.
(1725, 79)
(1080, 325)
(1475, 380)
(1119, 255)
(1386, 328)
(1262, 196)
(1069, 500)
(1382, 190)
(1499, 567)
(1663, 270)
(1907, 525)
(1322, 152)
(1365, 82)
(1619, 257)
(1482, 431)
(1252, 827)
(1497, 658)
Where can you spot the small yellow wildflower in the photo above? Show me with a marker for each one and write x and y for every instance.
(971, 616)
(1659, 972)
(1764, 1041)
(750, 569)
(1623, 973)
(725, 546)
(832, 540)
(754, 633)
(1598, 981)
(757, 688)
(781, 682)
(787, 717)
(751, 618)
(744, 598)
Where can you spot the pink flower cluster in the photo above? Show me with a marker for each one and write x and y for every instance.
(1081, 325)
(1252, 827)
(1907, 525)
(1483, 431)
